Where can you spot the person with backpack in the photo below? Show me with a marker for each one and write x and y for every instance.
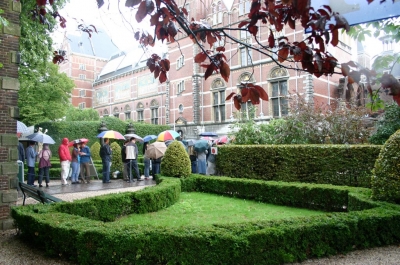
(131, 157)
(105, 154)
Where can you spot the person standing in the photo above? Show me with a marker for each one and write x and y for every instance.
(105, 154)
(201, 162)
(31, 160)
(75, 161)
(193, 158)
(65, 160)
(131, 157)
(124, 161)
(44, 165)
(21, 152)
(85, 162)
(146, 161)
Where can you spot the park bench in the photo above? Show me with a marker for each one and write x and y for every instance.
(37, 194)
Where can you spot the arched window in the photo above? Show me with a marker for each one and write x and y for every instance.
(247, 109)
(154, 111)
(218, 88)
(127, 111)
(116, 112)
(105, 113)
(279, 90)
(140, 110)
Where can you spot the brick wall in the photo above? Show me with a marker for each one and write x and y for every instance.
(9, 86)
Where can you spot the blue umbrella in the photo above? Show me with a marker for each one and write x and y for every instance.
(41, 138)
(201, 146)
(150, 137)
(209, 134)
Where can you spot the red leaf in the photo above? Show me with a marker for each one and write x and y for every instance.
(254, 96)
(165, 64)
(389, 81)
(132, 3)
(149, 6)
(225, 71)
(230, 96)
(237, 102)
(220, 49)
(262, 93)
(245, 94)
(200, 57)
(156, 72)
(142, 12)
(283, 54)
(271, 39)
(211, 68)
(41, 2)
(396, 98)
(243, 23)
(163, 77)
(335, 37)
(253, 30)
(211, 39)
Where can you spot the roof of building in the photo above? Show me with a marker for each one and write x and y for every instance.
(98, 45)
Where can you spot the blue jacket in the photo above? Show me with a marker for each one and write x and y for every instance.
(85, 158)
(31, 156)
(105, 153)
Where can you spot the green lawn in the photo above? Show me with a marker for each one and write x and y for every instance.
(201, 209)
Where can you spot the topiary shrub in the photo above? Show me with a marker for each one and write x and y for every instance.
(176, 162)
(95, 149)
(386, 173)
(116, 159)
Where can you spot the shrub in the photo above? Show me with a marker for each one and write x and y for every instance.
(116, 158)
(386, 178)
(95, 149)
(176, 162)
(387, 125)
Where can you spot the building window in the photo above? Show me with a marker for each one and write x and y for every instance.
(105, 113)
(244, 7)
(82, 67)
(217, 13)
(248, 111)
(127, 111)
(82, 77)
(180, 62)
(180, 108)
(116, 112)
(280, 104)
(140, 110)
(180, 87)
(82, 93)
(245, 56)
(154, 111)
(219, 105)
(82, 105)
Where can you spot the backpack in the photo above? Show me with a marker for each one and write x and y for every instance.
(102, 151)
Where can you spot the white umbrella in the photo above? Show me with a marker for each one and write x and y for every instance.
(137, 137)
(21, 127)
(156, 150)
(41, 138)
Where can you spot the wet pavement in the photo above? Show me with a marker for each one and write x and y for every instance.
(55, 186)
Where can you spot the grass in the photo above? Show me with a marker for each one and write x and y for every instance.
(202, 209)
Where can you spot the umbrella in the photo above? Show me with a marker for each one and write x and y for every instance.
(150, 137)
(201, 145)
(41, 138)
(167, 135)
(78, 141)
(210, 134)
(191, 142)
(132, 135)
(168, 142)
(156, 150)
(207, 138)
(111, 135)
(21, 127)
(223, 140)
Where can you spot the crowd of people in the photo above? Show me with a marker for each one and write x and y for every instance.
(78, 161)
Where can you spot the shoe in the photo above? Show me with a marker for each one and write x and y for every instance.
(47, 185)
(146, 178)
(33, 185)
(107, 182)
(67, 184)
(40, 186)
(73, 182)
(139, 179)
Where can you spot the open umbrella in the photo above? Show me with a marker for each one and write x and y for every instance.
(201, 145)
(150, 137)
(167, 135)
(190, 142)
(111, 135)
(207, 138)
(21, 127)
(78, 141)
(156, 150)
(132, 135)
(223, 140)
(41, 138)
(209, 134)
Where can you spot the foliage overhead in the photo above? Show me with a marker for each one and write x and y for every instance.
(308, 55)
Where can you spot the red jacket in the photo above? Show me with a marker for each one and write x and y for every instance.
(63, 151)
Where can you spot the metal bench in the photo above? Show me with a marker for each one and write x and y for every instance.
(37, 194)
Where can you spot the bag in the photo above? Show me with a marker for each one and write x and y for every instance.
(102, 151)
(44, 163)
(192, 158)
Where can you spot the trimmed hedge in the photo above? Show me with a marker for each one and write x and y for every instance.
(348, 165)
(69, 229)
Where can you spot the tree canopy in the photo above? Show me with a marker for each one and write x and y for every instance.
(44, 92)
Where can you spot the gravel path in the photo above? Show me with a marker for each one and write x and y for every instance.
(13, 251)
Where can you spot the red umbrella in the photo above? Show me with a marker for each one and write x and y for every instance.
(78, 141)
(223, 140)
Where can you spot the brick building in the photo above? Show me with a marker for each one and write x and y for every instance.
(126, 89)
(9, 86)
